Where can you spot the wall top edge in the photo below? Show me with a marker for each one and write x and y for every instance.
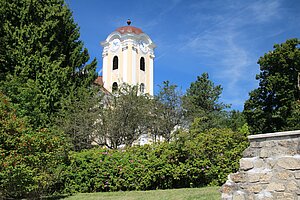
(274, 135)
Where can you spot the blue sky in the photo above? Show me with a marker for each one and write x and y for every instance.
(222, 37)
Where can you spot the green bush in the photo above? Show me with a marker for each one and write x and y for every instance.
(34, 163)
(192, 160)
(29, 160)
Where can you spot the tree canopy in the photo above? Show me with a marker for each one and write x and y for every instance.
(201, 103)
(42, 60)
(274, 105)
(204, 95)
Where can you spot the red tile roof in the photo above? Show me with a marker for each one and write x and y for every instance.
(129, 29)
(99, 81)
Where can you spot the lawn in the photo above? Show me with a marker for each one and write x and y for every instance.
(207, 193)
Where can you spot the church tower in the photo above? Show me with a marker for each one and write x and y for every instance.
(128, 58)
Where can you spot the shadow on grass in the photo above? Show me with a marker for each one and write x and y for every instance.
(55, 197)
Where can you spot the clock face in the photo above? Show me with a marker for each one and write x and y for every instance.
(115, 45)
(143, 46)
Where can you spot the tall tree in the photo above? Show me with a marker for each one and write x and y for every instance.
(78, 119)
(204, 95)
(123, 118)
(201, 101)
(274, 105)
(167, 112)
(43, 62)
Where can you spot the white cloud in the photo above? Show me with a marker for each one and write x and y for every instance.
(264, 11)
(225, 44)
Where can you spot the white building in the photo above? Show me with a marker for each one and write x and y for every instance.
(128, 58)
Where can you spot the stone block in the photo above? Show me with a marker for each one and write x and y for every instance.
(284, 196)
(292, 186)
(278, 187)
(254, 188)
(270, 163)
(238, 177)
(289, 163)
(264, 195)
(254, 144)
(288, 143)
(238, 196)
(251, 152)
(297, 175)
(284, 175)
(258, 163)
(254, 177)
(264, 153)
(246, 164)
(266, 177)
(268, 143)
(228, 188)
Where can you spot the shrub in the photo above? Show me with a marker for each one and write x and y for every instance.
(192, 160)
(29, 159)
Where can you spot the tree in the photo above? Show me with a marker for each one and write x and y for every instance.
(166, 112)
(235, 120)
(42, 60)
(201, 101)
(204, 95)
(78, 119)
(274, 105)
(30, 160)
(123, 118)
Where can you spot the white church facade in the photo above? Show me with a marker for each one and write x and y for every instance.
(128, 55)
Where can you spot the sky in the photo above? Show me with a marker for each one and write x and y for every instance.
(224, 38)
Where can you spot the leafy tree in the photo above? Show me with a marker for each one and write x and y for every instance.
(235, 120)
(124, 118)
(78, 119)
(167, 112)
(30, 161)
(201, 101)
(274, 105)
(42, 60)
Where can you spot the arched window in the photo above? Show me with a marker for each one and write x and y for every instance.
(142, 88)
(142, 64)
(114, 87)
(115, 62)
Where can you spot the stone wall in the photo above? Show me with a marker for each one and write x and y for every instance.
(269, 169)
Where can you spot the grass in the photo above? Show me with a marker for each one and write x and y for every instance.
(207, 193)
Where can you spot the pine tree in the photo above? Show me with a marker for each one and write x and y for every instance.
(42, 60)
(202, 103)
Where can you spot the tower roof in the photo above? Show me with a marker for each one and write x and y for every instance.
(129, 29)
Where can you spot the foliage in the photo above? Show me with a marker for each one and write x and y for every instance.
(201, 101)
(123, 118)
(194, 159)
(166, 112)
(294, 119)
(29, 160)
(204, 95)
(235, 120)
(220, 151)
(78, 118)
(273, 105)
(43, 61)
